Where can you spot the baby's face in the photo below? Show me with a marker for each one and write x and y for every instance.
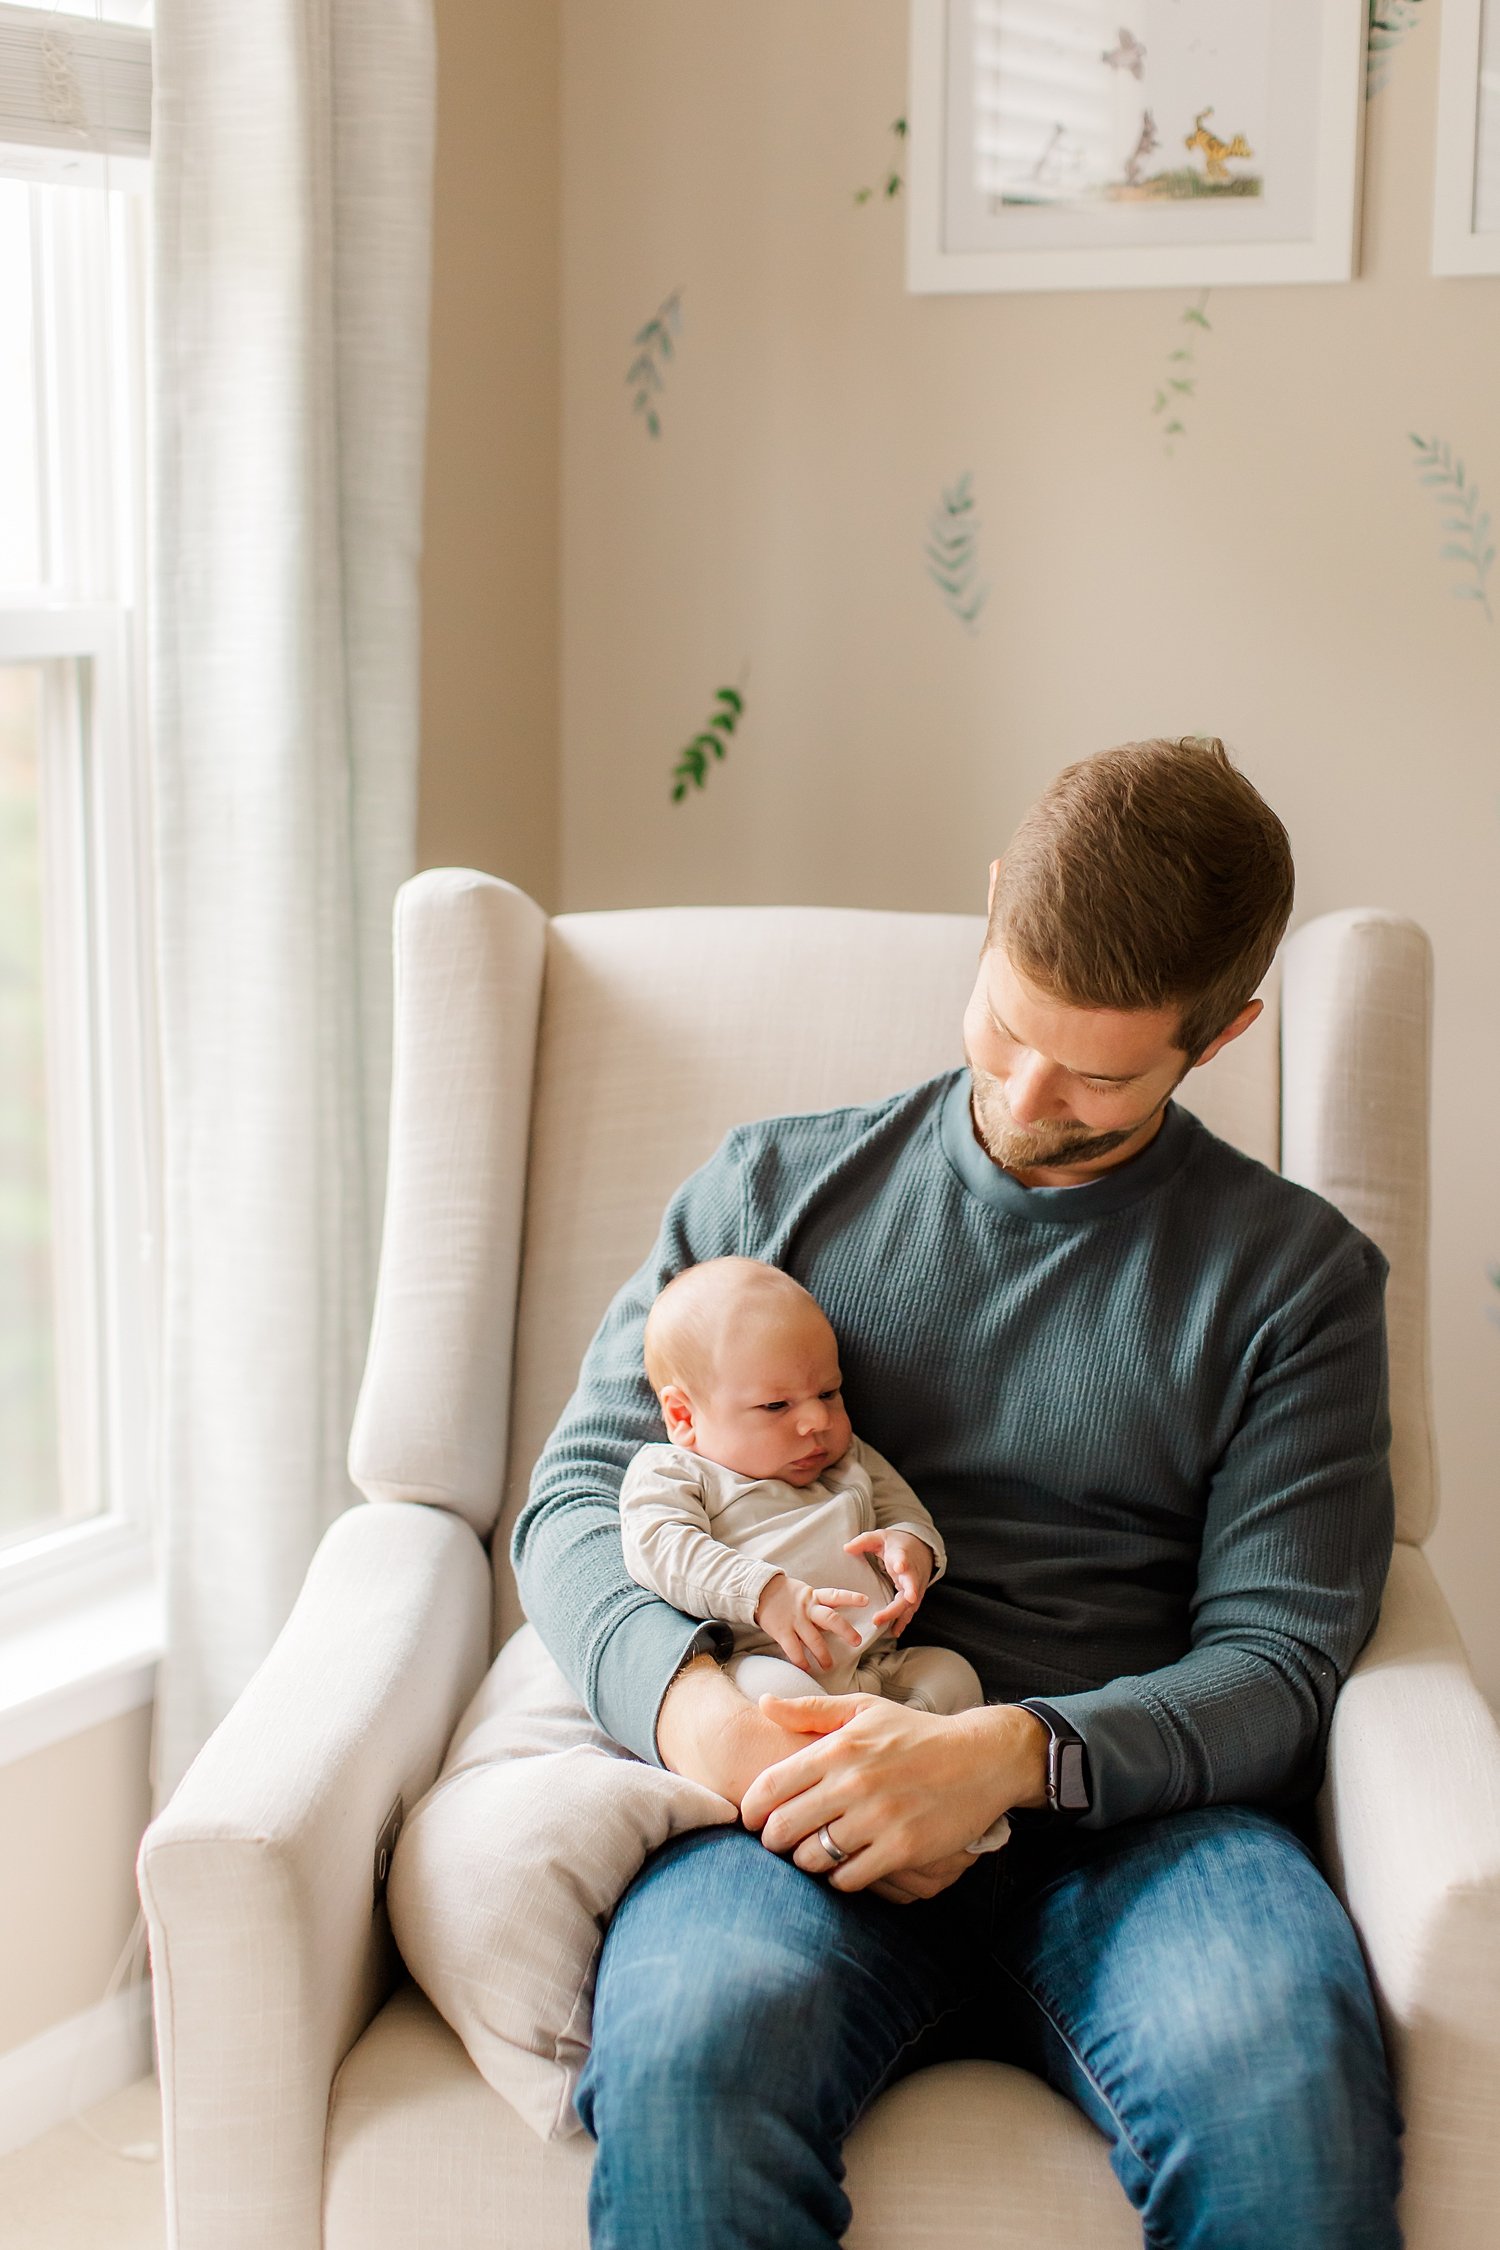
(776, 1408)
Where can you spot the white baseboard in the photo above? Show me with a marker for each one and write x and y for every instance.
(73, 2065)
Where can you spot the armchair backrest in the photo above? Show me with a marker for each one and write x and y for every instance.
(655, 1031)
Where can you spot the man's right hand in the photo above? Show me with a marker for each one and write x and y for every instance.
(796, 1616)
(707, 1731)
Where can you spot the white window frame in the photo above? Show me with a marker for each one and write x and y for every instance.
(85, 624)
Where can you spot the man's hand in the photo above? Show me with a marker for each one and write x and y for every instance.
(708, 1731)
(907, 1562)
(797, 1616)
(909, 1884)
(900, 1791)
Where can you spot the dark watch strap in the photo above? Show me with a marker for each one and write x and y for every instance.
(1067, 1764)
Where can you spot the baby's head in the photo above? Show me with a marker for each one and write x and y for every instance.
(747, 1371)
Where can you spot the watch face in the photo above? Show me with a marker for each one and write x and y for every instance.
(1072, 1789)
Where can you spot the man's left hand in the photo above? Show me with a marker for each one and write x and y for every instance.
(900, 1792)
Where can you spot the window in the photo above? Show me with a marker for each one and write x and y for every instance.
(77, 1081)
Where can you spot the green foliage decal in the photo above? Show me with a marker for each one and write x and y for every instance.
(1390, 21)
(952, 552)
(653, 349)
(1468, 544)
(692, 767)
(894, 179)
(1180, 382)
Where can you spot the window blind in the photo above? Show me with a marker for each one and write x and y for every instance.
(72, 88)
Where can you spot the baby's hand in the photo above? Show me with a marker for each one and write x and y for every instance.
(797, 1616)
(907, 1562)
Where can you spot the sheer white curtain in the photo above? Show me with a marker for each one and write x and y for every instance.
(292, 161)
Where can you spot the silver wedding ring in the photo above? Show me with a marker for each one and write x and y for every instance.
(831, 1847)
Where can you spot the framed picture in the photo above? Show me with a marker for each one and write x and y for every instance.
(1466, 193)
(1134, 144)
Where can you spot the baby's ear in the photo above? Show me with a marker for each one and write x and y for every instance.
(677, 1413)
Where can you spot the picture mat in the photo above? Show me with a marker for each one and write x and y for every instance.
(1466, 192)
(1017, 70)
(1484, 208)
(1317, 244)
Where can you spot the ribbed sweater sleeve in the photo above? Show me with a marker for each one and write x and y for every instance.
(1297, 1538)
(618, 1644)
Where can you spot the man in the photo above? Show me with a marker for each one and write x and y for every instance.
(1139, 1381)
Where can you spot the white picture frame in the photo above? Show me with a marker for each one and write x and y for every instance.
(1466, 185)
(985, 213)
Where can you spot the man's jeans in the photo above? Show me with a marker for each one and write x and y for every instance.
(1191, 1983)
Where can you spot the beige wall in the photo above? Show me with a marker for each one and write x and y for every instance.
(1276, 581)
(72, 1817)
(489, 580)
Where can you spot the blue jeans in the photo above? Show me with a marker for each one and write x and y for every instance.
(1191, 1983)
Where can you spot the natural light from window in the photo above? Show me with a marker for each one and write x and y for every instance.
(77, 1196)
(19, 561)
(29, 1491)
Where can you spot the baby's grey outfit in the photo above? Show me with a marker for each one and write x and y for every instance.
(709, 1541)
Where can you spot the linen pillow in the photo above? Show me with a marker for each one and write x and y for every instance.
(506, 1874)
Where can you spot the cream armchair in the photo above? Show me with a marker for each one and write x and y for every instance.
(311, 2095)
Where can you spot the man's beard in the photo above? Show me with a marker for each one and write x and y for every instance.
(1040, 1148)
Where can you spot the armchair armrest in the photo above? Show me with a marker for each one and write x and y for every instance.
(1410, 1814)
(270, 1945)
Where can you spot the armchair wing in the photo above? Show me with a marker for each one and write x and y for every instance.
(434, 1408)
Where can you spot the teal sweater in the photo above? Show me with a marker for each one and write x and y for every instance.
(1148, 1415)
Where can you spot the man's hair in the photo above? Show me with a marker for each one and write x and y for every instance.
(1150, 876)
(703, 1306)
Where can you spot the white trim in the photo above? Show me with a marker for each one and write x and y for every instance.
(1328, 255)
(73, 2065)
(70, 1007)
(54, 1565)
(78, 1667)
(56, 167)
(34, 632)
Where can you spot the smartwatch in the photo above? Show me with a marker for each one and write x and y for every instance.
(1067, 1764)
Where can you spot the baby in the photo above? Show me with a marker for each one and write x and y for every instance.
(766, 1512)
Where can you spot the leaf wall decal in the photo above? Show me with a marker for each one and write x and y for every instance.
(1182, 383)
(1390, 21)
(951, 550)
(691, 768)
(644, 374)
(1469, 543)
(894, 180)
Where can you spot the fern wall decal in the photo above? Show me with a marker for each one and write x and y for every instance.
(1390, 21)
(1468, 543)
(893, 182)
(952, 552)
(691, 768)
(653, 348)
(1180, 383)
